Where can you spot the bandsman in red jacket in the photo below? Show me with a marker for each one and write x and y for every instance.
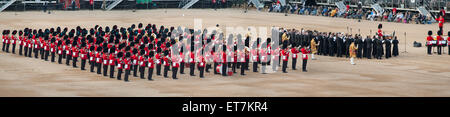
(4, 36)
(429, 44)
(158, 58)
(83, 55)
(68, 54)
(294, 52)
(285, 57)
(119, 65)
(7, 41)
(175, 65)
(127, 65)
(166, 63)
(112, 62)
(439, 45)
(201, 65)
(21, 42)
(92, 58)
(98, 60)
(13, 41)
(255, 57)
(135, 62)
(53, 49)
(192, 62)
(304, 57)
(105, 61)
(75, 55)
(142, 64)
(151, 65)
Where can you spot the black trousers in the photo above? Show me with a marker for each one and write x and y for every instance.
(60, 59)
(305, 61)
(105, 70)
(83, 64)
(36, 52)
(174, 72)
(42, 53)
(247, 64)
(30, 50)
(284, 66)
(99, 68)
(243, 68)
(13, 48)
(158, 69)
(20, 49)
(119, 74)
(166, 69)
(182, 68)
(150, 73)
(234, 67)
(429, 49)
(135, 69)
(208, 66)
(111, 71)
(25, 51)
(224, 69)
(255, 66)
(52, 57)
(47, 53)
(294, 63)
(191, 69)
(448, 49)
(7, 48)
(92, 65)
(141, 71)
(68, 60)
(74, 62)
(439, 50)
(127, 73)
(201, 69)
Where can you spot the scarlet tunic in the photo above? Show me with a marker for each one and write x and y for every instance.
(119, 64)
(98, 58)
(158, 59)
(112, 59)
(13, 39)
(141, 61)
(166, 61)
(304, 53)
(74, 52)
(254, 55)
(202, 62)
(134, 59)
(52, 47)
(126, 64)
(380, 33)
(83, 54)
(285, 55)
(92, 56)
(439, 39)
(294, 53)
(429, 38)
(151, 63)
(67, 50)
(448, 40)
(105, 59)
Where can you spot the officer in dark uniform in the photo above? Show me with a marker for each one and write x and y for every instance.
(388, 45)
(339, 46)
(395, 47)
(360, 44)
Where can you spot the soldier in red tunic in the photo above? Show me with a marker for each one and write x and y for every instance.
(304, 57)
(439, 45)
(142, 63)
(166, 63)
(83, 55)
(105, 57)
(151, 65)
(112, 61)
(92, 57)
(134, 58)
(119, 65)
(53, 49)
(13, 41)
(429, 45)
(127, 65)
(74, 54)
(295, 52)
(285, 57)
(201, 65)
(98, 60)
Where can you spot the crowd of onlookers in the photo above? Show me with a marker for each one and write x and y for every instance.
(390, 15)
